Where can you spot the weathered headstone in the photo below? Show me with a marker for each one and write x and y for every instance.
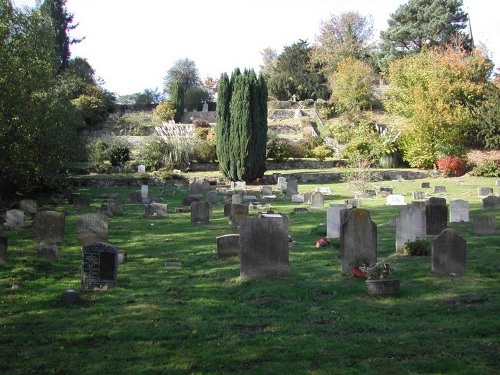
(48, 227)
(249, 198)
(484, 191)
(281, 183)
(115, 205)
(236, 199)
(307, 197)
(29, 206)
(227, 209)
(204, 108)
(14, 219)
(80, 202)
(325, 190)
(144, 191)
(484, 225)
(200, 212)
(70, 296)
(333, 220)
(498, 182)
(297, 198)
(141, 168)
(300, 210)
(292, 188)
(135, 197)
(410, 225)
(395, 200)
(266, 191)
(459, 211)
(238, 185)
(435, 201)
(212, 197)
(264, 248)
(48, 252)
(317, 200)
(239, 212)
(425, 185)
(4, 242)
(228, 245)
(92, 228)
(439, 189)
(491, 202)
(99, 265)
(197, 189)
(358, 240)
(352, 203)
(418, 195)
(155, 210)
(448, 253)
(387, 189)
(436, 216)
(259, 206)
(104, 209)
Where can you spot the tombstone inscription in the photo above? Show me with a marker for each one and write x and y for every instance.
(99, 265)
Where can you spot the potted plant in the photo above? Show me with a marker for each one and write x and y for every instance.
(378, 283)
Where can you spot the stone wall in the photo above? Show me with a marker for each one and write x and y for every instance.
(188, 117)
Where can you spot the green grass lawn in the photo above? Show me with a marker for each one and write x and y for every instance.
(201, 319)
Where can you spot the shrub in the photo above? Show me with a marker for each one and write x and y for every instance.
(278, 149)
(119, 153)
(199, 123)
(201, 133)
(171, 154)
(451, 166)
(165, 111)
(322, 152)
(98, 154)
(417, 248)
(205, 151)
(488, 169)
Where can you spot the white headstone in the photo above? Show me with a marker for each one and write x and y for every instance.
(298, 198)
(410, 225)
(459, 211)
(333, 220)
(395, 200)
(325, 190)
(141, 168)
(281, 183)
(144, 191)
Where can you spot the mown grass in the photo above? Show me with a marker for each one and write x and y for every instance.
(202, 319)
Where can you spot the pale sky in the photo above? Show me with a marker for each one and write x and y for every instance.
(132, 44)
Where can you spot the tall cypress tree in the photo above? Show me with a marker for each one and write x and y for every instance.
(223, 124)
(178, 99)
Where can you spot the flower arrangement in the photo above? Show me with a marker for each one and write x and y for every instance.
(322, 242)
(381, 270)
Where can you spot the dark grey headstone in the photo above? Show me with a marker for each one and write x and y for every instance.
(80, 202)
(410, 225)
(435, 201)
(200, 212)
(99, 265)
(307, 197)
(212, 197)
(228, 245)
(135, 197)
(92, 228)
(387, 189)
(264, 248)
(484, 191)
(227, 209)
(448, 253)
(292, 188)
(155, 210)
(425, 185)
(491, 202)
(48, 227)
(436, 217)
(67, 193)
(358, 239)
(239, 212)
(47, 251)
(70, 296)
(115, 205)
(484, 225)
(300, 211)
(3, 250)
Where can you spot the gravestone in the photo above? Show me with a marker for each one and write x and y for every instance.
(425, 185)
(144, 191)
(266, 191)
(135, 197)
(484, 191)
(333, 220)
(14, 219)
(307, 197)
(48, 227)
(484, 225)
(29, 206)
(420, 204)
(239, 212)
(436, 216)
(264, 248)
(418, 195)
(80, 202)
(249, 198)
(99, 265)
(491, 202)
(395, 200)
(439, 189)
(197, 189)
(352, 203)
(67, 193)
(57, 199)
(259, 206)
(435, 201)
(92, 228)
(358, 240)
(228, 245)
(141, 168)
(4, 242)
(104, 209)
(448, 253)
(498, 183)
(115, 205)
(155, 210)
(212, 197)
(387, 189)
(459, 211)
(48, 252)
(317, 200)
(238, 185)
(236, 199)
(325, 190)
(410, 225)
(291, 188)
(200, 212)
(227, 209)
(204, 108)
(187, 201)
(69, 296)
(300, 211)
(297, 198)
(281, 183)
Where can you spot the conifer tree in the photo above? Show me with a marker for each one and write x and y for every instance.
(178, 99)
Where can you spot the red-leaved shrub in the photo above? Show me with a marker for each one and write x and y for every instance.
(451, 166)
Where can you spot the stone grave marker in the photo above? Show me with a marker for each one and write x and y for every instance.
(459, 211)
(491, 202)
(297, 198)
(281, 183)
(291, 188)
(67, 193)
(204, 108)
(141, 168)
(29, 206)
(317, 200)
(99, 265)
(425, 185)
(498, 182)
(92, 228)
(212, 197)
(238, 185)
(48, 227)
(439, 189)
(484, 191)
(155, 210)
(104, 209)
(448, 253)
(418, 195)
(187, 201)
(48, 252)
(249, 198)
(200, 212)
(325, 190)
(239, 212)
(115, 205)
(307, 197)
(228, 245)
(358, 240)
(387, 189)
(333, 220)
(57, 199)
(197, 189)
(300, 211)
(135, 197)
(236, 199)
(266, 191)
(410, 225)
(144, 191)
(264, 248)
(4, 242)
(436, 216)
(352, 203)
(420, 204)
(484, 225)
(435, 201)
(259, 206)
(395, 200)
(80, 202)
(227, 209)
(14, 219)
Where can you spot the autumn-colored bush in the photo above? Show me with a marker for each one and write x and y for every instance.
(199, 123)
(451, 166)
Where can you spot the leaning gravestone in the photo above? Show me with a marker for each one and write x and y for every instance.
(14, 219)
(99, 265)
(448, 253)
(3, 250)
(264, 248)
(29, 206)
(92, 228)
(228, 245)
(333, 220)
(410, 225)
(484, 225)
(155, 210)
(48, 227)
(358, 240)
(200, 212)
(459, 211)
(436, 216)
(484, 191)
(491, 202)
(239, 212)
(317, 200)
(291, 188)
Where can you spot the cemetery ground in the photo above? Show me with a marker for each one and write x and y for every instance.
(202, 319)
